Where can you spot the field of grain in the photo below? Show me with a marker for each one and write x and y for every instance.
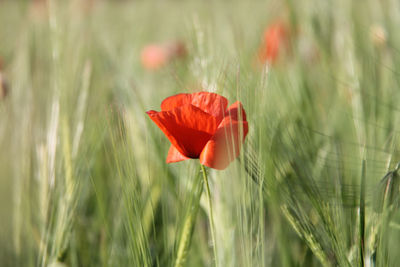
(83, 173)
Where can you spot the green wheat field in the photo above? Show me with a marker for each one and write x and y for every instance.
(83, 173)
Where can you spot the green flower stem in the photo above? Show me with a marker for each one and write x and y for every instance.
(211, 216)
(362, 215)
(186, 235)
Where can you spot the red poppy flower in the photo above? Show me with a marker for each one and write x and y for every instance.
(275, 37)
(200, 125)
(155, 56)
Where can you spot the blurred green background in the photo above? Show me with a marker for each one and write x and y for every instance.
(83, 178)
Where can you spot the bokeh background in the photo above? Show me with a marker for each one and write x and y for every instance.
(83, 178)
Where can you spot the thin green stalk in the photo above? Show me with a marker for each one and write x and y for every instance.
(362, 215)
(186, 235)
(211, 216)
(380, 258)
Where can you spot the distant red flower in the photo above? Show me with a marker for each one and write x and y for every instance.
(200, 125)
(155, 56)
(275, 39)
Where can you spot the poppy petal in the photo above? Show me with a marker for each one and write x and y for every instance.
(210, 103)
(236, 112)
(174, 155)
(225, 145)
(188, 128)
(176, 101)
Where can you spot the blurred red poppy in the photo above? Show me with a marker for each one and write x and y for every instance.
(201, 125)
(275, 38)
(155, 56)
